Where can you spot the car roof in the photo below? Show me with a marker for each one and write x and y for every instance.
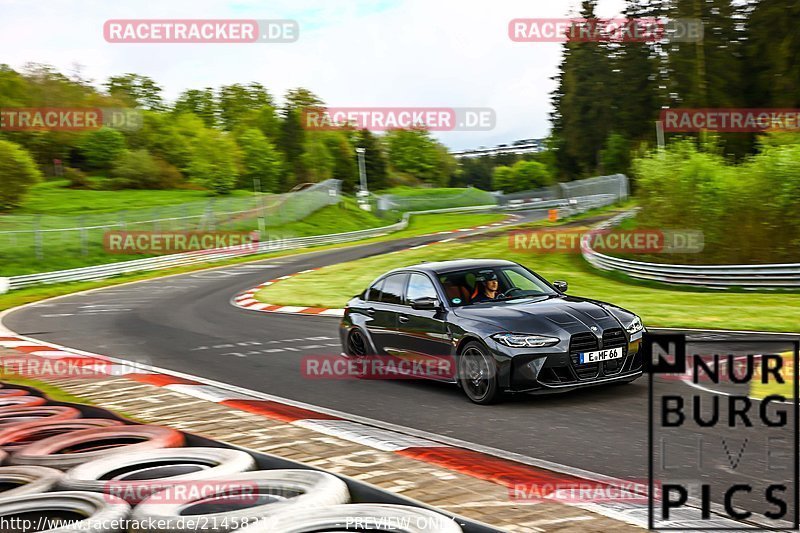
(441, 267)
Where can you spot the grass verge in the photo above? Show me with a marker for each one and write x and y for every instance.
(51, 391)
(659, 306)
(419, 225)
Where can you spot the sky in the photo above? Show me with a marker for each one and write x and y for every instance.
(351, 53)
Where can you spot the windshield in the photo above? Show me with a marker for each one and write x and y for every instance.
(491, 284)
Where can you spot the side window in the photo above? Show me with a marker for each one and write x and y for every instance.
(518, 280)
(420, 286)
(393, 289)
(374, 293)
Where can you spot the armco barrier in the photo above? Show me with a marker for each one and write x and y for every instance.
(718, 276)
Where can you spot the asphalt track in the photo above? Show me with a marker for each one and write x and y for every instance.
(186, 323)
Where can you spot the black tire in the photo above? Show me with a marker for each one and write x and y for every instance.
(233, 502)
(477, 374)
(378, 517)
(72, 449)
(357, 344)
(26, 480)
(96, 513)
(357, 348)
(135, 476)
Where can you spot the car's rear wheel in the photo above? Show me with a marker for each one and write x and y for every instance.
(477, 374)
(357, 344)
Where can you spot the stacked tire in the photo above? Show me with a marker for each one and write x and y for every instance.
(65, 473)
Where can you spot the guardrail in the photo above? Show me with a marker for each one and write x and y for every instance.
(718, 276)
(91, 273)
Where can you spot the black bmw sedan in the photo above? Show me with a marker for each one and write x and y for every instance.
(492, 327)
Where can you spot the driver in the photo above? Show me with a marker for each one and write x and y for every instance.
(485, 287)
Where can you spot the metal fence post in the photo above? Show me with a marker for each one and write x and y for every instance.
(37, 237)
(84, 237)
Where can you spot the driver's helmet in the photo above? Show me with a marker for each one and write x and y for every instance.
(486, 275)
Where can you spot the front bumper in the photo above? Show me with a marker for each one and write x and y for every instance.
(560, 370)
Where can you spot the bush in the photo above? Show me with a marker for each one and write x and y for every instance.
(18, 172)
(747, 212)
(77, 179)
(135, 169)
(102, 148)
(523, 176)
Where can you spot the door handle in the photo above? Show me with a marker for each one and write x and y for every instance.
(370, 311)
(403, 318)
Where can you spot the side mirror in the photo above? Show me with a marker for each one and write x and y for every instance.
(561, 285)
(425, 303)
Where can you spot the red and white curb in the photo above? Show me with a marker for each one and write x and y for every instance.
(487, 464)
(247, 299)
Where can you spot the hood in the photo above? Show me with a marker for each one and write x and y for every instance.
(547, 316)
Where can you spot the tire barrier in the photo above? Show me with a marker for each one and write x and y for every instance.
(239, 500)
(72, 449)
(7, 393)
(137, 475)
(27, 480)
(17, 436)
(81, 511)
(70, 474)
(358, 517)
(16, 415)
(11, 402)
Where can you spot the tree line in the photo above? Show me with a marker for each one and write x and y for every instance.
(609, 94)
(215, 138)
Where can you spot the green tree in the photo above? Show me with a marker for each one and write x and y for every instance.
(200, 103)
(582, 101)
(101, 148)
(136, 90)
(260, 160)
(19, 173)
(345, 165)
(476, 172)
(317, 160)
(291, 141)
(771, 51)
(529, 175)
(503, 179)
(636, 90)
(237, 102)
(413, 152)
(214, 161)
(708, 72)
(616, 155)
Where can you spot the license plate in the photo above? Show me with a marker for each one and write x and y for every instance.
(600, 355)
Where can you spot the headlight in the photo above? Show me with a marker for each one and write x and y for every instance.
(520, 340)
(635, 326)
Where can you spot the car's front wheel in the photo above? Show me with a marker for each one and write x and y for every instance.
(477, 374)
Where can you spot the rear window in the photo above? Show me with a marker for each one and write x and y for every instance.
(374, 293)
(393, 289)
